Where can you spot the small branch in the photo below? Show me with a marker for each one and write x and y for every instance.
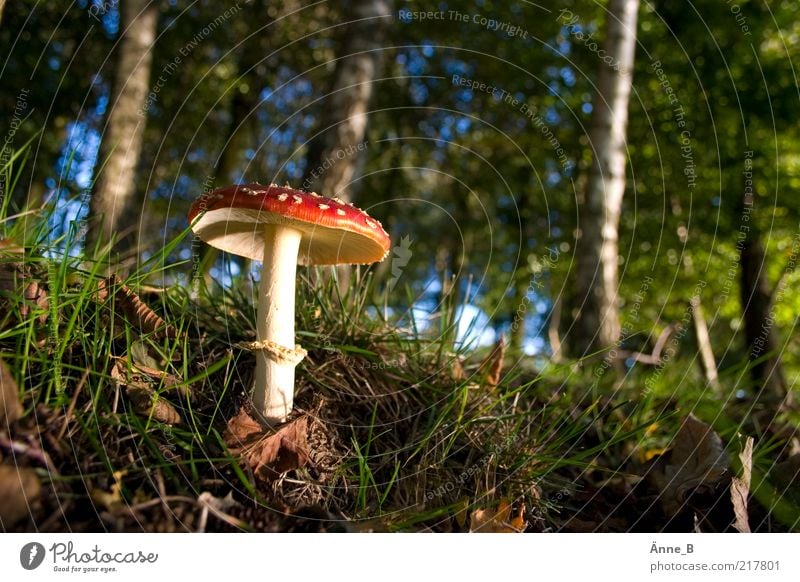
(654, 358)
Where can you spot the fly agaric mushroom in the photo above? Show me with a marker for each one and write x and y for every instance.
(282, 227)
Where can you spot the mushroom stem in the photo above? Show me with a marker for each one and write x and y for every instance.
(273, 394)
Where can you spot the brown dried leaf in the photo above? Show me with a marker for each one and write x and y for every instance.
(269, 452)
(740, 488)
(497, 520)
(696, 463)
(149, 404)
(146, 402)
(457, 372)
(16, 279)
(19, 488)
(35, 296)
(133, 308)
(143, 374)
(10, 406)
(112, 499)
(492, 366)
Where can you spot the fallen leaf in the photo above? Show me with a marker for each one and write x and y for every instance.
(112, 499)
(492, 366)
(139, 352)
(146, 402)
(497, 520)
(696, 463)
(19, 488)
(10, 406)
(457, 372)
(15, 280)
(35, 296)
(740, 488)
(164, 379)
(651, 454)
(267, 451)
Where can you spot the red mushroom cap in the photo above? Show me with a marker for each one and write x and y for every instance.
(334, 232)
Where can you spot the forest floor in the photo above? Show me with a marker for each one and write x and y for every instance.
(124, 408)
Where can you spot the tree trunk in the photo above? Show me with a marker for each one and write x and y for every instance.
(598, 324)
(760, 334)
(333, 153)
(553, 335)
(112, 212)
(707, 361)
(242, 106)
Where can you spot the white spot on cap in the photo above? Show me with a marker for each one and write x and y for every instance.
(371, 223)
(297, 199)
(341, 212)
(315, 195)
(283, 196)
(323, 206)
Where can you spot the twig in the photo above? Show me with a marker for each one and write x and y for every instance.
(29, 451)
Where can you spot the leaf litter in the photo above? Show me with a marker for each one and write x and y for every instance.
(268, 452)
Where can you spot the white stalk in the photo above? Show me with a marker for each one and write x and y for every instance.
(273, 394)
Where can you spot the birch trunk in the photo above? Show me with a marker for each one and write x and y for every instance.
(598, 324)
(334, 153)
(112, 211)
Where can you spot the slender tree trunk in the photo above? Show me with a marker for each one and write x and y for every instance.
(598, 324)
(760, 333)
(242, 106)
(707, 361)
(112, 209)
(333, 153)
(2, 7)
(519, 316)
(552, 330)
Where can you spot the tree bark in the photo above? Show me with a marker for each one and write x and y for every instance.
(333, 153)
(761, 336)
(242, 106)
(112, 211)
(598, 325)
